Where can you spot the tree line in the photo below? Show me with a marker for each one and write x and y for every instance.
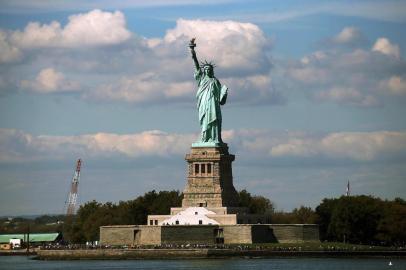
(40, 224)
(353, 219)
(363, 219)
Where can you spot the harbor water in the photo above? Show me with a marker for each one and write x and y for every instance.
(26, 263)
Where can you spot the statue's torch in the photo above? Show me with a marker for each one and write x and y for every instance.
(192, 44)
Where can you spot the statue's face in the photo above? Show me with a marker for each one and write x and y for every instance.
(208, 70)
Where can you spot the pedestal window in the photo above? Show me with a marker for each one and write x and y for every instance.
(196, 168)
(209, 168)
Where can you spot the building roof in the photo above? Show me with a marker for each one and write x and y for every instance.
(34, 237)
(191, 216)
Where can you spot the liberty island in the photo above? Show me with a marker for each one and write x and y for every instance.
(209, 213)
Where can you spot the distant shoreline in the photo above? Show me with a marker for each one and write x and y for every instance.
(124, 254)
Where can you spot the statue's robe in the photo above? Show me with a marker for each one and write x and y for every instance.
(210, 95)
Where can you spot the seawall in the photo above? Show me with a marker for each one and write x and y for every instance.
(20, 252)
(114, 254)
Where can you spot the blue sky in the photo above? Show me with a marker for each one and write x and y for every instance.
(317, 96)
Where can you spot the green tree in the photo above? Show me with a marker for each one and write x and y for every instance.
(304, 215)
(255, 204)
(324, 212)
(72, 231)
(281, 217)
(355, 219)
(392, 226)
(85, 226)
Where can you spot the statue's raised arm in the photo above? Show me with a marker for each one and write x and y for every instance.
(192, 46)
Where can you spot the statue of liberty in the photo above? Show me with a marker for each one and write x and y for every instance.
(210, 95)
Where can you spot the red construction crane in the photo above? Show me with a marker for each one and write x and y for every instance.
(73, 194)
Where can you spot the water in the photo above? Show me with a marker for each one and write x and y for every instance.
(24, 263)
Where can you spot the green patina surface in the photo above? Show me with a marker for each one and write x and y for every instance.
(210, 95)
(34, 237)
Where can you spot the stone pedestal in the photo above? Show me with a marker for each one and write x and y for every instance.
(209, 178)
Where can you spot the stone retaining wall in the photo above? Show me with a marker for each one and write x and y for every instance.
(188, 234)
(294, 233)
(132, 235)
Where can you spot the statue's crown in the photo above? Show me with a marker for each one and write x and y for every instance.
(205, 63)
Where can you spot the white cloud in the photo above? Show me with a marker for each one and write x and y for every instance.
(141, 70)
(383, 45)
(50, 81)
(8, 52)
(349, 36)
(149, 143)
(255, 89)
(346, 76)
(18, 146)
(141, 88)
(15, 145)
(94, 28)
(347, 96)
(315, 56)
(231, 45)
(238, 49)
(308, 74)
(295, 147)
(395, 85)
(359, 146)
(364, 145)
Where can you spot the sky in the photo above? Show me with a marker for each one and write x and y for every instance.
(317, 95)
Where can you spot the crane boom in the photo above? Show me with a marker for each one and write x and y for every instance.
(73, 194)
